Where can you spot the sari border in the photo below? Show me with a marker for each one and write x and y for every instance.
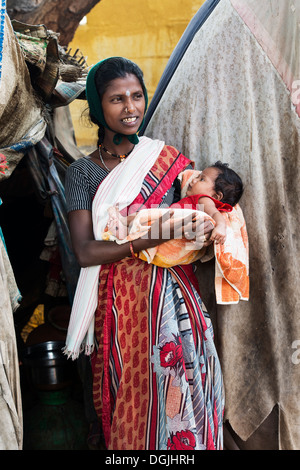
(162, 176)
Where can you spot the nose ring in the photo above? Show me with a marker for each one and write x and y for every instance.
(126, 110)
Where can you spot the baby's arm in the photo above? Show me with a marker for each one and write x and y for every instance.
(219, 232)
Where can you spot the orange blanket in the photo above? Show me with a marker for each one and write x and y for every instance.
(232, 261)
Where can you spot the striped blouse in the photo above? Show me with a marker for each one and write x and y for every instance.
(83, 178)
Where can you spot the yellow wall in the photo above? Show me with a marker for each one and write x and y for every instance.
(145, 31)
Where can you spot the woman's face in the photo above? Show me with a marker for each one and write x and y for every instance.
(123, 105)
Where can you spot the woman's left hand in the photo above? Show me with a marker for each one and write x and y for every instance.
(199, 231)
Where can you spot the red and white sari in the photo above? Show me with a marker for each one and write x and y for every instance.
(157, 377)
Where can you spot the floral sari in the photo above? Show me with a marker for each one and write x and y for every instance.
(157, 378)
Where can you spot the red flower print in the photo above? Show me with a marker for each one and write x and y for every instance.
(3, 164)
(183, 440)
(171, 353)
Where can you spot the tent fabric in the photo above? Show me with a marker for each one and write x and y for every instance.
(11, 416)
(227, 101)
(2, 29)
(48, 168)
(266, 21)
(22, 131)
(22, 124)
(64, 133)
(11, 424)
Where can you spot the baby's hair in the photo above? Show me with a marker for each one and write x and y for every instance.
(229, 183)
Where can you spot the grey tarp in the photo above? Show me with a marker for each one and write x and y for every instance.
(227, 100)
(21, 122)
(11, 425)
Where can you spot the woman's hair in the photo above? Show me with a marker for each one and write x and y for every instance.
(229, 183)
(108, 70)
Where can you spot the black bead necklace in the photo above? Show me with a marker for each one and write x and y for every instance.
(121, 157)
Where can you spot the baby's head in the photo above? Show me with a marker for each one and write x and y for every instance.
(218, 181)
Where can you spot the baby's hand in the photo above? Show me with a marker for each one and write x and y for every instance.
(218, 235)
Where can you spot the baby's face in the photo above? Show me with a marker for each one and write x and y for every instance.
(204, 183)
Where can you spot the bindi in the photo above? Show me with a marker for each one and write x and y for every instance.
(127, 93)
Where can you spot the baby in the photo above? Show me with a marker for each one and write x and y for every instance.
(214, 190)
(213, 195)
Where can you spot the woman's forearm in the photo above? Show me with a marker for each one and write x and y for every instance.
(94, 252)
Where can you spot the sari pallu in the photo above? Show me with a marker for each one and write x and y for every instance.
(157, 378)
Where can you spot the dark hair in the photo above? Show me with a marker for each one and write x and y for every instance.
(110, 69)
(229, 183)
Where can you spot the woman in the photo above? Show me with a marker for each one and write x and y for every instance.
(157, 379)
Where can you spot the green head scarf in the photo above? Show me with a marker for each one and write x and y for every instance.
(95, 105)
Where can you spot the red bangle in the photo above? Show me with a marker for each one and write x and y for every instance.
(133, 254)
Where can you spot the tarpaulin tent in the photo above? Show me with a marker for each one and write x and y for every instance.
(31, 183)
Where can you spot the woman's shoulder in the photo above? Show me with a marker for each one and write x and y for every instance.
(81, 164)
(83, 177)
(87, 167)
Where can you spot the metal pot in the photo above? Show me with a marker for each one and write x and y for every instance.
(47, 367)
